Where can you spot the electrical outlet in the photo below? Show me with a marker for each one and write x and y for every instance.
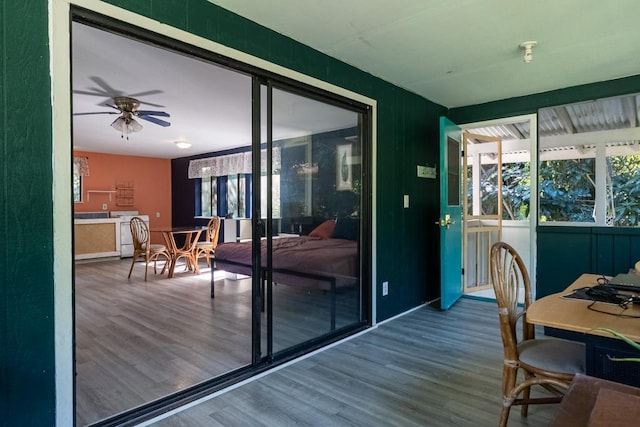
(385, 289)
(104, 207)
(157, 214)
(405, 201)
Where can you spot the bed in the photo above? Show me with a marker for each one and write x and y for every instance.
(301, 260)
(326, 260)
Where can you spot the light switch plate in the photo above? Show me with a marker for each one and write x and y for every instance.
(406, 201)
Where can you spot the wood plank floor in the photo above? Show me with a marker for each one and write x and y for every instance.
(426, 368)
(137, 341)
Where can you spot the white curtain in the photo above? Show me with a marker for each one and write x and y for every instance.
(230, 164)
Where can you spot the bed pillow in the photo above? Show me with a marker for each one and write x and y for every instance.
(324, 230)
(346, 228)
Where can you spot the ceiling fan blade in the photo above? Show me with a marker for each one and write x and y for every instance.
(145, 93)
(151, 104)
(97, 112)
(152, 113)
(155, 120)
(111, 92)
(93, 92)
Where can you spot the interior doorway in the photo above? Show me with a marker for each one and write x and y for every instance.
(500, 193)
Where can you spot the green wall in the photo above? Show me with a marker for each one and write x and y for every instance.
(564, 253)
(27, 394)
(407, 136)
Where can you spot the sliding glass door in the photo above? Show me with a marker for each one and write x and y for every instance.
(312, 207)
(283, 165)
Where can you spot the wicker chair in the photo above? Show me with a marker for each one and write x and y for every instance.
(208, 247)
(143, 250)
(550, 363)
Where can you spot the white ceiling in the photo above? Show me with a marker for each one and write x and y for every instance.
(455, 53)
(209, 106)
(464, 52)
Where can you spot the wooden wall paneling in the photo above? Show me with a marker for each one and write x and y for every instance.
(564, 253)
(27, 360)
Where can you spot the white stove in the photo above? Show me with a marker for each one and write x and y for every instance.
(126, 241)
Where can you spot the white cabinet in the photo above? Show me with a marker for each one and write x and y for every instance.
(236, 229)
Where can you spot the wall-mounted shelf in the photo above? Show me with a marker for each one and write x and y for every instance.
(124, 193)
(109, 192)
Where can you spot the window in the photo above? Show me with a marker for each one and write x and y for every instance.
(567, 190)
(275, 195)
(235, 194)
(209, 196)
(589, 170)
(623, 200)
(229, 193)
(77, 184)
(80, 169)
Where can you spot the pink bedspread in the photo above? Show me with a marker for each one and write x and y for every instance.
(297, 258)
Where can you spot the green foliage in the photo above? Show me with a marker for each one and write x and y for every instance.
(516, 190)
(567, 190)
(625, 180)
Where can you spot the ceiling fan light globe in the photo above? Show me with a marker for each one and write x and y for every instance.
(126, 125)
(118, 124)
(133, 126)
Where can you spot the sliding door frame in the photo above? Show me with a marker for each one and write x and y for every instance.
(365, 232)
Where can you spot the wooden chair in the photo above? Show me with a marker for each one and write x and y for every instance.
(550, 363)
(208, 247)
(143, 250)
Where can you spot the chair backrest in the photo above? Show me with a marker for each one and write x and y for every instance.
(213, 230)
(510, 278)
(139, 233)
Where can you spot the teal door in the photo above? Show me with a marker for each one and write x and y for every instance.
(450, 221)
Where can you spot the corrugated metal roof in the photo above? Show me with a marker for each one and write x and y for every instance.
(593, 116)
(564, 131)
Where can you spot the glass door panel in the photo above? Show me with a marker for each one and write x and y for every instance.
(315, 193)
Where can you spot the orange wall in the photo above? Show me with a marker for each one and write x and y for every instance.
(151, 178)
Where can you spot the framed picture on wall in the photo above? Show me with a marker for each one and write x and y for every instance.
(343, 167)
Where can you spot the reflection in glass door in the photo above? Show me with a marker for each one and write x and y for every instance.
(313, 256)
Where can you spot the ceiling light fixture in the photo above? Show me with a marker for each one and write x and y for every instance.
(126, 124)
(183, 145)
(527, 47)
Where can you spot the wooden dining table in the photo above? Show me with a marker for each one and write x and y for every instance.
(186, 250)
(583, 320)
(557, 311)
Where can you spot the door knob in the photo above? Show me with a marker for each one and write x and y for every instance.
(446, 221)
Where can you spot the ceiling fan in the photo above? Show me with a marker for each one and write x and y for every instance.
(126, 106)
(128, 109)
